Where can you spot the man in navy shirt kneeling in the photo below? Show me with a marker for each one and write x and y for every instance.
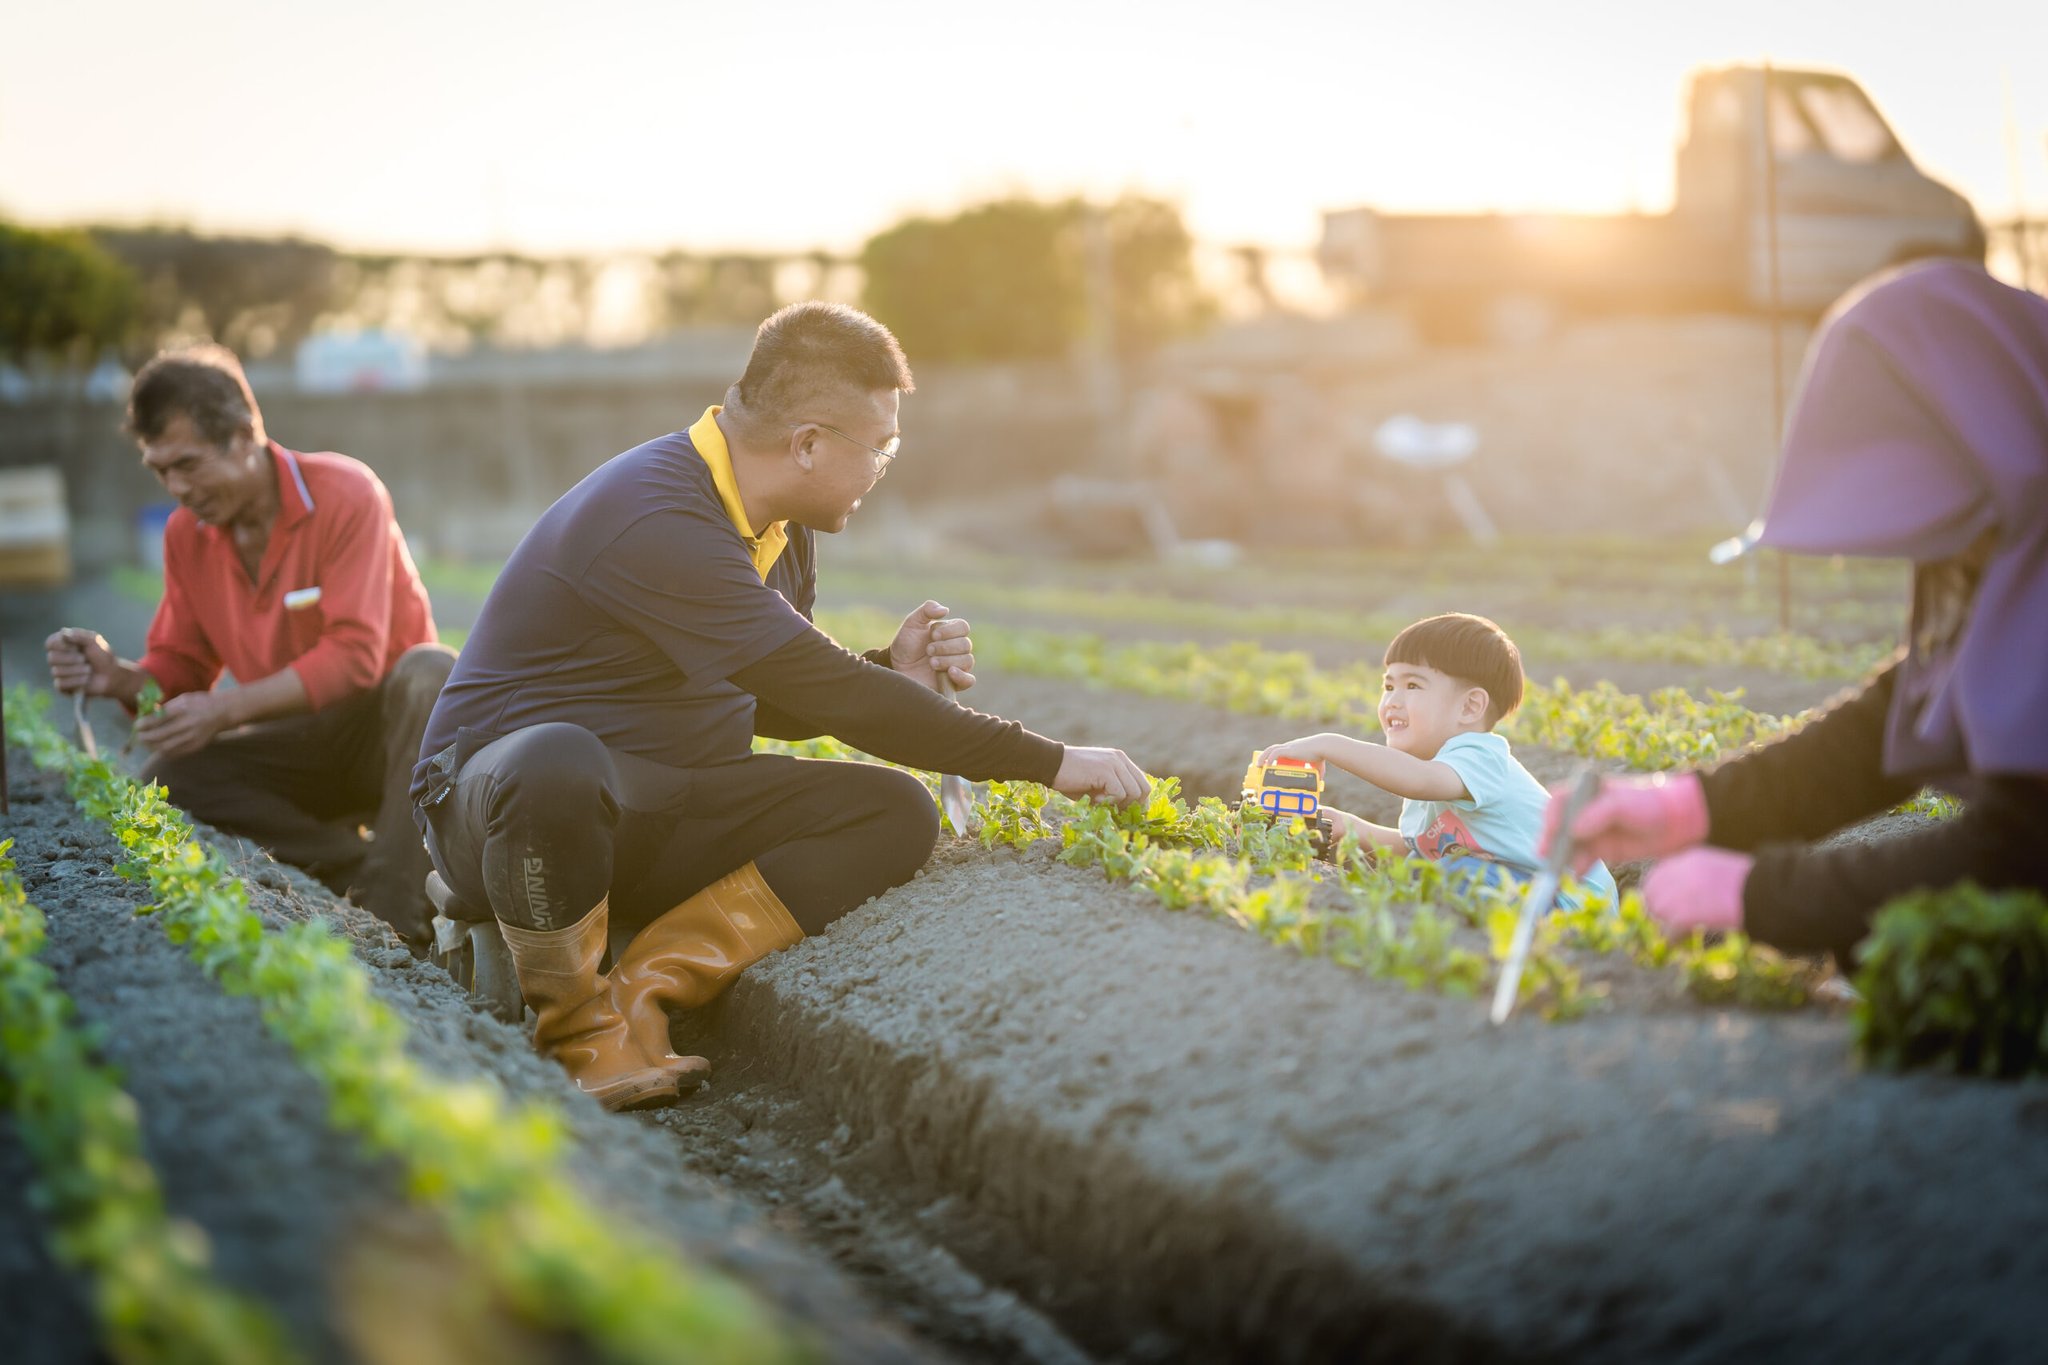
(590, 760)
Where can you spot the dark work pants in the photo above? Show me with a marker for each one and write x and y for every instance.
(301, 786)
(544, 823)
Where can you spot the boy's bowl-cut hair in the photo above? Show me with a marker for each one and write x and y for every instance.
(1469, 648)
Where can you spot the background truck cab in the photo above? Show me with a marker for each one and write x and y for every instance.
(1849, 201)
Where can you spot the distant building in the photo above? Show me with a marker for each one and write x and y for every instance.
(360, 362)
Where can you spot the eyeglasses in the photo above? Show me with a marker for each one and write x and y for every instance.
(887, 452)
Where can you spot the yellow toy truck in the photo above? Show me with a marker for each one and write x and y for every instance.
(1285, 787)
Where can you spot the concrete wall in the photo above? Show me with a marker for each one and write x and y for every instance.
(469, 466)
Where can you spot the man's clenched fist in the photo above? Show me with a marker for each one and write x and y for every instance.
(81, 661)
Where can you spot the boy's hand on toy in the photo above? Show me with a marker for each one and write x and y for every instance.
(1698, 889)
(1105, 774)
(1631, 818)
(1307, 749)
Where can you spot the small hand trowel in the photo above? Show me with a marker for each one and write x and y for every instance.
(85, 736)
(1542, 895)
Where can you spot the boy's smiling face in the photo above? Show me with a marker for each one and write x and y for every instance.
(1421, 707)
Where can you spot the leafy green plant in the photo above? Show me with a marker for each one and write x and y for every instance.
(1549, 981)
(1012, 814)
(1669, 728)
(1419, 950)
(153, 1291)
(148, 701)
(1932, 805)
(1626, 928)
(1402, 917)
(494, 1173)
(1731, 969)
(1737, 970)
(1957, 979)
(1400, 904)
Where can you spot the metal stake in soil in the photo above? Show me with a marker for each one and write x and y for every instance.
(956, 794)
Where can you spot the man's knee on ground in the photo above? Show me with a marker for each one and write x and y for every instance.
(908, 823)
(562, 764)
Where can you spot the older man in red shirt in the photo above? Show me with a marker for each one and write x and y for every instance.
(287, 571)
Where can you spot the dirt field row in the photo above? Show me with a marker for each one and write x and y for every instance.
(1015, 1111)
(1236, 1153)
(237, 1133)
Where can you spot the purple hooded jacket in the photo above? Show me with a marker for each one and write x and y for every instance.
(1922, 424)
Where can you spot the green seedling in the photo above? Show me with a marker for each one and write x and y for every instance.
(154, 1292)
(1403, 913)
(148, 702)
(496, 1174)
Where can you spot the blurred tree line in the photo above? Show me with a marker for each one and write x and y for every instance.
(1008, 280)
(1022, 278)
(61, 296)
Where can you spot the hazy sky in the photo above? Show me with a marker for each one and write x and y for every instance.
(555, 127)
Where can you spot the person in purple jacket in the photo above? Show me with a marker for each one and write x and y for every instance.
(1921, 433)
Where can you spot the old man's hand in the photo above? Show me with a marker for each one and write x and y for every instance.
(930, 640)
(185, 724)
(81, 662)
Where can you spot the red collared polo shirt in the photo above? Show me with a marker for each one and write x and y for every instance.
(356, 601)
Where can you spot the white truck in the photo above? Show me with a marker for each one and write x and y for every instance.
(1847, 200)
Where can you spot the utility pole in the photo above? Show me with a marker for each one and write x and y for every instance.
(1099, 346)
(1777, 325)
(2022, 248)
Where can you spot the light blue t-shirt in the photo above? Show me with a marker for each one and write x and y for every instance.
(1502, 823)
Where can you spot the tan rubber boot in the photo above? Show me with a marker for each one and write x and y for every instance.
(621, 1066)
(693, 952)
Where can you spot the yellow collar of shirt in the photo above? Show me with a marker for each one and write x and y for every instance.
(766, 548)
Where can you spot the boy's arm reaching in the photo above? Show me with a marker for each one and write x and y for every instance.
(1367, 833)
(1403, 775)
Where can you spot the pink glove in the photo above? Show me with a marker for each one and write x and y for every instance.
(1632, 818)
(1698, 889)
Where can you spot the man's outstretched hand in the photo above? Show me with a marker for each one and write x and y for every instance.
(930, 640)
(1105, 774)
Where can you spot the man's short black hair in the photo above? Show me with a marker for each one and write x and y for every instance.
(1471, 649)
(811, 350)
(205, 383)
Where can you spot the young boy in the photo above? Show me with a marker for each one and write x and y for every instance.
(1465, 801)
